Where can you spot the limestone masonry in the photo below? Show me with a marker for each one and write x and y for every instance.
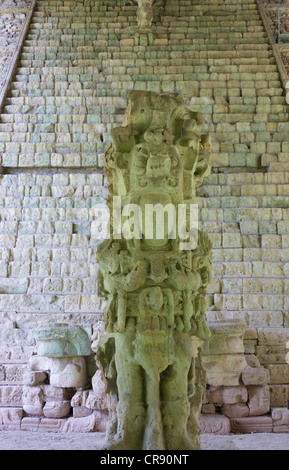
(77, 64)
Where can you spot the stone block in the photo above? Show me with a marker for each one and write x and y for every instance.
(42, 424)
(34, 377)
(224, 369)
(226, 338)
(11, 395)
(251, 424)
(208, 408)
(255, 376)
(228, 395)
(81, 412)
(258, 400)
(55, 393)
(237, 410)
(33, 400)
(278, 373)
(279, 395)
(214, 424)
(97, 421)
(280, 417)
(56, 409)
(10, 418)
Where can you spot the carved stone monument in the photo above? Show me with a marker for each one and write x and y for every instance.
(154, 285)
(145, 13)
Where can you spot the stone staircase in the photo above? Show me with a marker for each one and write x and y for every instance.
(79, 61)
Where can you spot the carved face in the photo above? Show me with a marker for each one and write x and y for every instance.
(154, 298)
(158, 166)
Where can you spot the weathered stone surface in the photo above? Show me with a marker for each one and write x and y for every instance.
(278, 373)
(154, 285)
(226, 338)
(145, 14)
(279, 395)
(91, 423)
(251, 424)
(81, 412)
(56, 409)
(64, 372)
(11, 395)
(57, 393)
(34, 378)
(228, 395)
(280, 417)
(224, 369)
(214, 424)
(45, 218)
(255, 376)
(237, 410)
(33, 400)
(68, 372)
(208, 408)
(42, 424)
(62, 340)
(89, 399)
(10, 418)
(258, 400)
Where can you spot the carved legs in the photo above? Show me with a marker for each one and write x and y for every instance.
(153, 410)
(174, 390)
(127, 420)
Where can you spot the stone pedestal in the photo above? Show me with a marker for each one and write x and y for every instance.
(58, 369)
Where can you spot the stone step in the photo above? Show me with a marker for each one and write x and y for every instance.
(256, 190)
(54, 127)
(68, 118)
(58, 49)
(278, 166)
(45, 55)
(187, 70)
(193, 23)
(210, 29)
(189, 47)
(239, 179)
(246, 202)
(237, 215)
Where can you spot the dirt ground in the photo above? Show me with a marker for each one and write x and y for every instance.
(24, 440)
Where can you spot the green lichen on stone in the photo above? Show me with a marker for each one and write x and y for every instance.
(150, 352)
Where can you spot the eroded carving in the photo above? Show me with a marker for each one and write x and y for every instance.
(150, 352)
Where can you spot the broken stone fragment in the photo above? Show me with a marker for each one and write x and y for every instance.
(61, 340)
(91, 423)
(258, 400)
(34, 377)
(81, 412)
(56, 409)
(68, 372)
(237, 410)
(33, 400)
(10, 417)
(280, 417)
(255, 376)
(214, 424)
(228, 395)
(224, 369)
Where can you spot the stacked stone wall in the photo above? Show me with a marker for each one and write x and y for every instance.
(78, 63)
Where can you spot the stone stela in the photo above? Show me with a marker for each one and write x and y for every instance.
(154, 321)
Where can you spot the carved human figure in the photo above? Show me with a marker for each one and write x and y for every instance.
(145, 13)
(150, 352)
